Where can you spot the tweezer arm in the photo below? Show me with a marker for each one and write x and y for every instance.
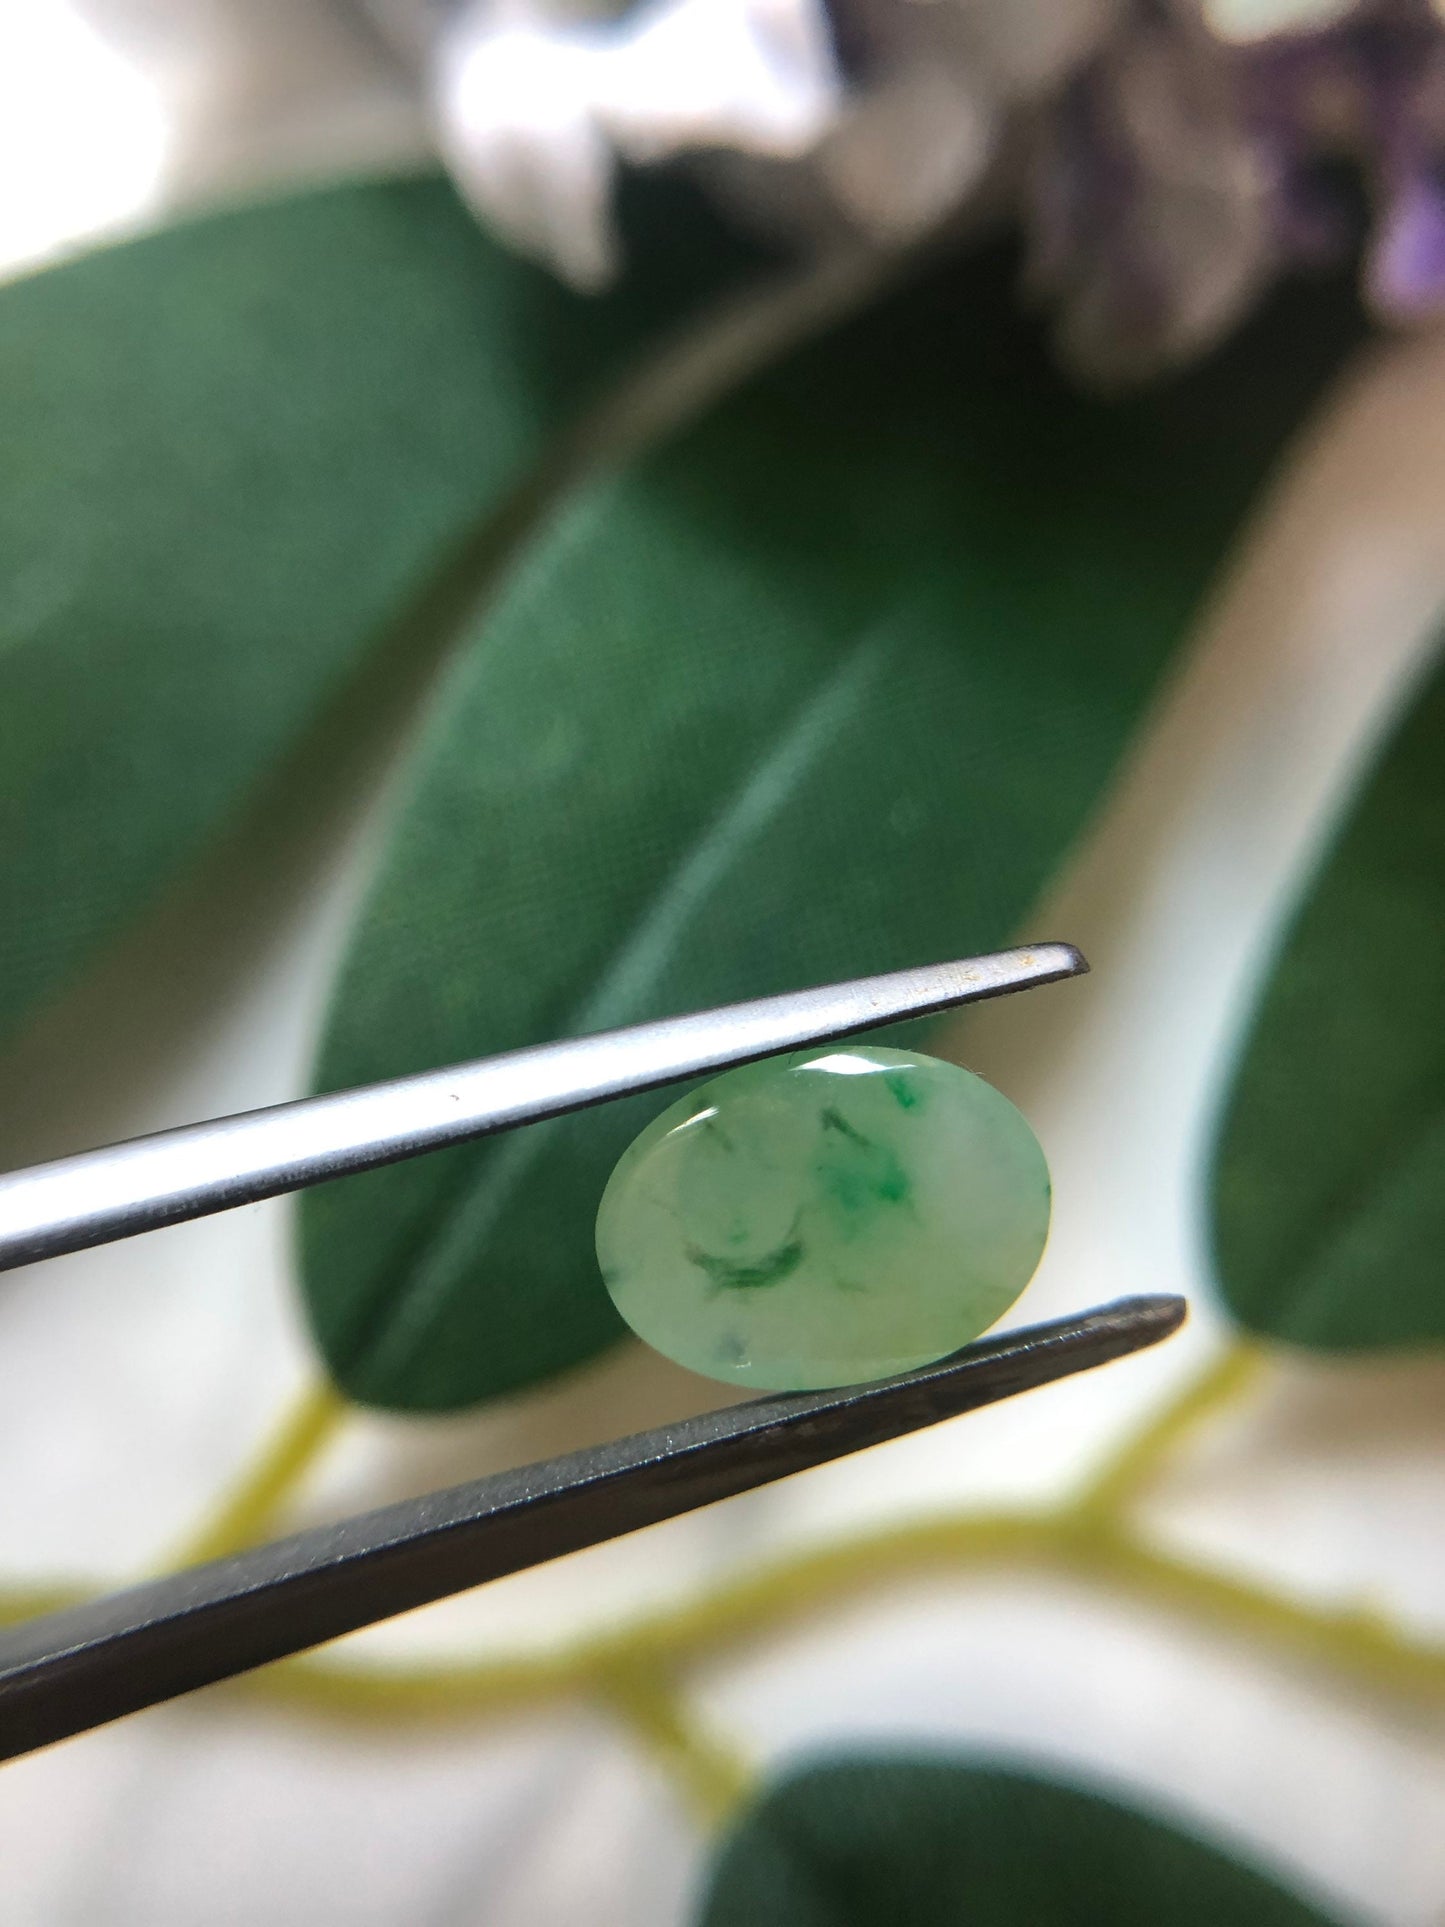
(128, 1188)
(79, 1668)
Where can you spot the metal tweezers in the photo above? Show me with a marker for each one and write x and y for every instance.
(75, 1669)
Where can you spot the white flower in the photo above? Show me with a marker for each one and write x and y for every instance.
(534, 115)
(535, 108)
(1243, 21)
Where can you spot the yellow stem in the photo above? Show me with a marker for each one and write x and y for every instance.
(1070, 1540)
(249, 1508)
(630, 1668)
(699, 1629)
(1358, 1639)
(713, 1781)
(1127, 1474)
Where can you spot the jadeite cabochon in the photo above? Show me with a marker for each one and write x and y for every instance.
(824, 1218)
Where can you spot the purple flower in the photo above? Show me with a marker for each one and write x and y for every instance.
(1405, 271)
(1166, 159)
(1367, 92)
(1146, 204)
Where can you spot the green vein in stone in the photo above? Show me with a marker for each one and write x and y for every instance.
(858, 1174)
(905, 1094)
(729, 1276)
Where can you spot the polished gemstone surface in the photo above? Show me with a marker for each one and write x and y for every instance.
(824, 1218)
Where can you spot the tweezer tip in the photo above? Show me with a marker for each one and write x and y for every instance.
(1066, 958)
(1155, 1313)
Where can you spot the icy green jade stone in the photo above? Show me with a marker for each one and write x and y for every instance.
(824, 1218)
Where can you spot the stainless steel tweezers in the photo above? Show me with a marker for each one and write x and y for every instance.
(78, 1668)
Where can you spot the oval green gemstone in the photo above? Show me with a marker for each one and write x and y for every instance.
(824, 1219)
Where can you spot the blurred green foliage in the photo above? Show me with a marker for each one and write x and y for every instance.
(896, 1842)
(236, 454)
(827, 686)
(1329, 1183)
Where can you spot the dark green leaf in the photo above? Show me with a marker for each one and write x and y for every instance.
(234, 454)
(1329, 1182)
(826, 687)
(930, 1843)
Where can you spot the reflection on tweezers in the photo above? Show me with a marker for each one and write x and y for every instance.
(96, 1196)
(76, 1669)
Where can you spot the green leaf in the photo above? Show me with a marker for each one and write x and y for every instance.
(1329, 1178)
(235, 455)
(891, 1842)
(828, 686)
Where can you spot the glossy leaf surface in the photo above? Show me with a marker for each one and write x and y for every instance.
(1329, 1184)
(828, 686)
(900, 1843)
(235, 455)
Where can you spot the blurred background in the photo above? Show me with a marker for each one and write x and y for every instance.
(138, 1383)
